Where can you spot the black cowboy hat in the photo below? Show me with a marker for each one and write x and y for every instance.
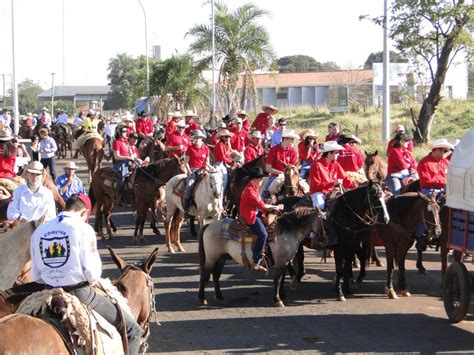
(256, 173)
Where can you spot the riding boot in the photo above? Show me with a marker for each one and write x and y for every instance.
(421, 243)
(186, 203)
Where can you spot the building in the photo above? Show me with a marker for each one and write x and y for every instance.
(95, 96)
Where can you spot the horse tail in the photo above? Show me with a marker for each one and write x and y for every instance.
(202, 250)
(92, 196)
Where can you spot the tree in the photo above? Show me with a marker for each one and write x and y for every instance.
(430, 32)
(303, 63)
(377, 57)
(242, 46)
(178, 83)
(28, 91)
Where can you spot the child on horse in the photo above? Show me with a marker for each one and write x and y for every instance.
(401, 166)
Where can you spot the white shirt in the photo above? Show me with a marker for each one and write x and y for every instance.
(30, 205)
(78, 121)
(64, 252)
(47, 147)
(110, 129)
(62, 119)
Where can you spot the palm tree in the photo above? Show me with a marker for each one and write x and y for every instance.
(178, 83)
(242, 46)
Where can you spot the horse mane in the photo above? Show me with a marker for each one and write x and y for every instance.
(290, 221)
(341, 212)
(399, 207)
(150, 169)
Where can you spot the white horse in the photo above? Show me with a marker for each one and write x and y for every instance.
(208, 199)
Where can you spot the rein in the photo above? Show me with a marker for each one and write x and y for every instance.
(368, 219)
(155, 179)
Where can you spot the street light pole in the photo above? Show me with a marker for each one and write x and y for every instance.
(146, 53)
(386, 75)
(213, 59)
(16, 125)
(52, 94)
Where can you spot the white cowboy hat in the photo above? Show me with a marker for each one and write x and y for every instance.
(5, 135)
(256, 134)
(71, 165)
(175, 114)
(289, 133)
(127, 117)
(35, 167)
(241, 112)
(181, 123)
(44, 109)
(331, 146)
(237, 120)
(308, 133)
(222, 125)
(441, 143)
(190, 113)
(271, 107)
(224, 133)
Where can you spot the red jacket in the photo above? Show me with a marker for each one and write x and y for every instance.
(239, 140)
(391, 141)
(350, 159)
(278, 157)
(144, 126)
(250, 201)
(252, 152)
(323, 175)
(122, 146)
(304, 149)
(7, 164)
(176, 139)
(222, 153)
(432, 172)
(262, 122)
(396, 161)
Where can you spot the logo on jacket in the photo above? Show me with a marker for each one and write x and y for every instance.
(55, 251)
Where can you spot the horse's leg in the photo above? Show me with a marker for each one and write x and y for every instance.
(419, 262)
(168, 230)
(299, 258)
(339, 259)
(349, 256)
(192, 228)
(389, 255)
(362, 256)
(278, 276)
(179, 221)
(216, 274)
(402, 281)
(108, 206)
(292, 273)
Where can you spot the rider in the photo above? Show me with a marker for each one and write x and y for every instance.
(251, 210)
(32, 200)
(62, 117)
(399, 129)
(174, 117)
(223, 154)
(90, 123)
(351, 158)
(44, 119)
(191, 124)
(334, 131)
(69, 183)
(308, 151)
(400, 164)
(255, 148)
(280, 156)
(264, 120)
(432, 170)
(276, 136)
(144, 126)
(197, 160)
(64, 254)
(122, 160)
(240, 138)
(178, 141)
(8, 152)
(245, 119)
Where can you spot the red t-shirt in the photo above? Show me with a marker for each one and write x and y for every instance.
(222, 153)
(303, 150)
(252, 152)
(197, 156)
(176, 139)
(7, 164)
(396, 161)
(122, 146)
(432, 172)
(170, 127)
(262, 122)
(323, 175)
(250, 200)
(246, 124)
(192, 126)
(330, 137)
(239, 140)
(350, 159)
(278, 157)
(144, 126)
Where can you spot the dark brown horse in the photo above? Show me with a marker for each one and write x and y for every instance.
(375, 166)
(25, 132)
(62, 134)
(406, 211)
(38, 337)
(152, 148)
(146, 185)
(93, 151)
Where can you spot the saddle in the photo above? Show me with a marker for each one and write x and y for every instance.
(180, 188)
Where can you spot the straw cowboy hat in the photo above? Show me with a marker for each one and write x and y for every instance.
(5, 135)
(238, 120)
(44, 109)
(175, 114)
(441, 143)
(289, 133)
(224, 133)
(331, 146)
(181, 123)
(241, 113)
(35, 167)
(71, 165)
(190, 113)
(347, 138)
(308, 133)
(271, 107)
(256, 134)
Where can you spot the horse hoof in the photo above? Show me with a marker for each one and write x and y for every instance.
(171, 251)
(406, 293)
(280, 304)
(422, 271)
(203, 302)
(379, 264)
(391, 293)
(293, 282)
(341, 298)
(221, 301)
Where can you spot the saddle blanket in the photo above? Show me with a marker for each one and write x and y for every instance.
(235, 230)
(79, 142)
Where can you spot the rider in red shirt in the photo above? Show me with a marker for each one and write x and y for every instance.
(222, 155)
(245, 119)
(399, 164)
(334, 131)
(308, 151)
(399, 129)
(8, 152)
(240, 138)
(351, 158)
(178, 141)
(191, 124)
(174, 117)
(144, 126)
(264, 120)
(251, 210)
(122, 160)
(255, 148)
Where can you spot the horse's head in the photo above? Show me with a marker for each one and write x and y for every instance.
(136, 285)
(216, 182)
(375, 167)
(377, 208)
(430, 215)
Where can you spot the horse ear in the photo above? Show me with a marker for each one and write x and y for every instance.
(376, 152)
(366, 154)
(121, 264)
(148, 263)
(40, 221)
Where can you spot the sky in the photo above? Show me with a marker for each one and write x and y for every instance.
(97, 30)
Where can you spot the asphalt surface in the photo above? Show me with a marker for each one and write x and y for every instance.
(312, 321)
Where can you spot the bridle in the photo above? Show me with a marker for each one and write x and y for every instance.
(212, 184)
(293, 189)
(371, 216)
(426, 222)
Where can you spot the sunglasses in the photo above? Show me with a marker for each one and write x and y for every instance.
(124, 131)
(14, 141)
(282, 124)
(444, 150)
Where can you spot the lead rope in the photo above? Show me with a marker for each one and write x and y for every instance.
(152, 314)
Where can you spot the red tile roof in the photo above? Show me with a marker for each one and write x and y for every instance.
(335, 78)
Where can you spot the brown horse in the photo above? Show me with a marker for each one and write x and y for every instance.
(38, 337)
(406, 211)
(375, 166)
(25, 132)
(62, 134)
(93, 151)
(147, 190)
(152, 148)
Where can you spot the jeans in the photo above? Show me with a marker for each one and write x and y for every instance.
(190, 181)
(319, 200)
(259, 228)
(106, 309)
(304, 171)
(51, 164)
(429, 192)
(122, 171)
(394, 181)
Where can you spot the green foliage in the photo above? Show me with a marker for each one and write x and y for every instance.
(303, 63)
(28, 91)
(66, 105)
(377, 57)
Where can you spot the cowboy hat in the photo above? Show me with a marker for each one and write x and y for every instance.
(289, 133)
(44, 109)
(224, 133)
(237, 120)
(271, 107)
(35, 167)
(5, 135)
(256, 173)
(29, 114)
(175, 114)
(331, 146)
(197, 134)
(241, 112)
(256, 134)
(347, 138)
(190, 113)
(441, 143)
(127, 117)
(181, 123)
(71, 165)
(308, 133)
(222, 125)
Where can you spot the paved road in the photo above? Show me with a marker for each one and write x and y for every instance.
(312, 321)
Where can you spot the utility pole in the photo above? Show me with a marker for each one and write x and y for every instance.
(52, 94)
(213, 109)
(386, 75)
(146, 53)
(16, 118)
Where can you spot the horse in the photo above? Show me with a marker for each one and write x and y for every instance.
(39, 337)
(208, 200)
(147, 185)
(25, 132)
(406, 211)
(152, 148)
(62, 134)
(237, 182)
(291, 229)
(375, 166)
(354, 211)
(93, 151)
